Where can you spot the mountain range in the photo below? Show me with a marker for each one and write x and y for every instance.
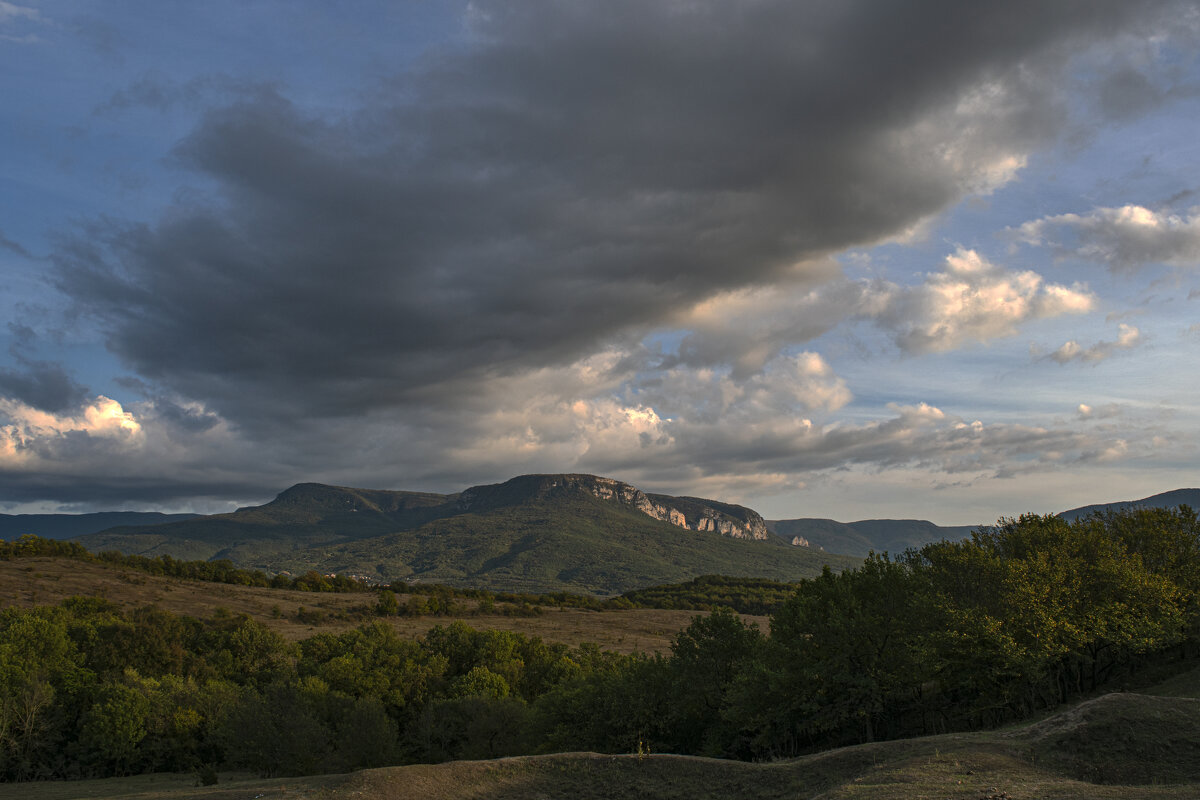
(859, 538)
(897, 535)
(572, 532)
(580, 533)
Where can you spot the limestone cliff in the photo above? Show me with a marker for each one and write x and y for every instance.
(691, 513)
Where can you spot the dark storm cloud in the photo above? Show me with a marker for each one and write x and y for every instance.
(116, 492)
(43, 385)
(567, 177)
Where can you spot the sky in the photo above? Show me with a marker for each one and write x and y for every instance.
(853, 259)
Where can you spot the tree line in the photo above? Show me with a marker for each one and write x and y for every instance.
(1024, 615)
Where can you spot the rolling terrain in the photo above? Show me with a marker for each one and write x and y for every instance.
(1123, 745)
(539, 533)
(296, 615)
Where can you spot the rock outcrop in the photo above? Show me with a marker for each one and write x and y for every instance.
(690, 513)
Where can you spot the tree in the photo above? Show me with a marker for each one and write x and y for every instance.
(275, 733)
(705, 660)
(112, 728)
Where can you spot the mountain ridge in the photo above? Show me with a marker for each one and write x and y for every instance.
(1171, 499)
(65, 526)
(541, 532)
(859, 538)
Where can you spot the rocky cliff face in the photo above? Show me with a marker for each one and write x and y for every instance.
(699, 514)
(691, 513)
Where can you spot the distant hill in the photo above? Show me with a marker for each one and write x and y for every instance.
(1178, 497)
(67, 526)
(859, 538)
(897, 535)
(580, 533)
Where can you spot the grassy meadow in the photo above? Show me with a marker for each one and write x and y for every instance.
(27, 582)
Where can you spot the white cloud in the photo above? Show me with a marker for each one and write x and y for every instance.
(1124, 238)
(11, 11)
(1128, 337)
(969, 301)
(972, 300)
(14, 15)
(28, 432)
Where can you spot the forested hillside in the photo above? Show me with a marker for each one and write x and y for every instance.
(956, 636)
(533, 533)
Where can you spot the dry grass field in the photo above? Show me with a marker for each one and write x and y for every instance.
(41, 581)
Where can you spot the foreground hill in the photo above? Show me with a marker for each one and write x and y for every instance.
(1115, 746)
(1173, 499)
(578, 533)
(859, 538)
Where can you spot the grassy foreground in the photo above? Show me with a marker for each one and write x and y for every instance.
(1122, 745)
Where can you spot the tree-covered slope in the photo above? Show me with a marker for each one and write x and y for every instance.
(1172, 499)
(532, 533)
(577, 543)
(304, 515)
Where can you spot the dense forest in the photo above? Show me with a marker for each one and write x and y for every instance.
(1022, 616)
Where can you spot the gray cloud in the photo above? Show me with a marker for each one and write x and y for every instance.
(454, 282)
(42, 385)
(1127, 93)
(1125, 239)
(566, 178)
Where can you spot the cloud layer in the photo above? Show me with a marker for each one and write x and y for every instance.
(587, 235)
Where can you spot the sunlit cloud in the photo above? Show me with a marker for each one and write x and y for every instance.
(1128, 337)
(1124, 238)
(972, 301)
(1107, 411)
(30, 434)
